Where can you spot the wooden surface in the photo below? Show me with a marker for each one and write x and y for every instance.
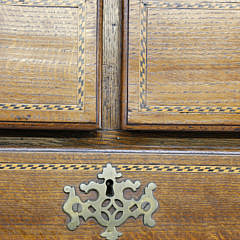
(111, 79)
(197, 173)
(181, 65)
(139, 141)
(48, 59)
(192, 205)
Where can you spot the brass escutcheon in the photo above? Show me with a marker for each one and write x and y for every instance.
(110, 209)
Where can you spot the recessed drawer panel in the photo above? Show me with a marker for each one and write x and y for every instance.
(181, 64)
(198, 199)
(48, 62)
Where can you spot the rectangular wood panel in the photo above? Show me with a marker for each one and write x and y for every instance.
(181, 65)
(197, 200)
(48, 62)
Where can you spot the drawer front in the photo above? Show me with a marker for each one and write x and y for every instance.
(196, 201)
(181, 64)
(48, 62)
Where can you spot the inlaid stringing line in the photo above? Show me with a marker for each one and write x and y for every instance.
(204, 5)
(81, 53)
(143, 56)
(43, 107)
(121, 167)
(46, 3)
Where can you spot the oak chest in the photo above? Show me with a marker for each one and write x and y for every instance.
(119, 119)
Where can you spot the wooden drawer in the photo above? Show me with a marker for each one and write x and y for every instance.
(181, 65)
(48, 63)
(198, 193)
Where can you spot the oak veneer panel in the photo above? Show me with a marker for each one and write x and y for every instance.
(48, 62)
(181, 64)
(193, 205)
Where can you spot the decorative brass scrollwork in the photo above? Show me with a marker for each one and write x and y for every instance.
(110, 209)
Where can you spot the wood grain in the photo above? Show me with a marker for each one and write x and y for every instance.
(192, 205)
(40, 63)
(111, 87)
(132, 157)
(121, 140)
(191, 65)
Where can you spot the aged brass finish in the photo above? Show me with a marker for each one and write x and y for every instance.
(110, 209)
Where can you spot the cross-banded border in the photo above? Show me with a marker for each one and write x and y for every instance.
(131, 168)
(143, 107)
(81, 55)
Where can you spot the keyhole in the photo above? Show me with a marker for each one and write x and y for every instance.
(109, 192)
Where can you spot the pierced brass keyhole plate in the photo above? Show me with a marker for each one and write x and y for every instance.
(110, 209)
